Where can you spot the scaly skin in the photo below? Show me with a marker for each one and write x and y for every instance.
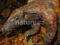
(34, 10)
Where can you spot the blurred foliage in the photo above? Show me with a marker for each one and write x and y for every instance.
(8, 3)
(2, 5)
(30, 1)
(58, 40)
(7, 7)
(30, 42)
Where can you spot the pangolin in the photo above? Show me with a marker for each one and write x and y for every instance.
(36, 9)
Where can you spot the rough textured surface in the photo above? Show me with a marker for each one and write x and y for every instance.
(37, 8)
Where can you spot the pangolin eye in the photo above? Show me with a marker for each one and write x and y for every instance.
(34, 15)
(17, 18)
